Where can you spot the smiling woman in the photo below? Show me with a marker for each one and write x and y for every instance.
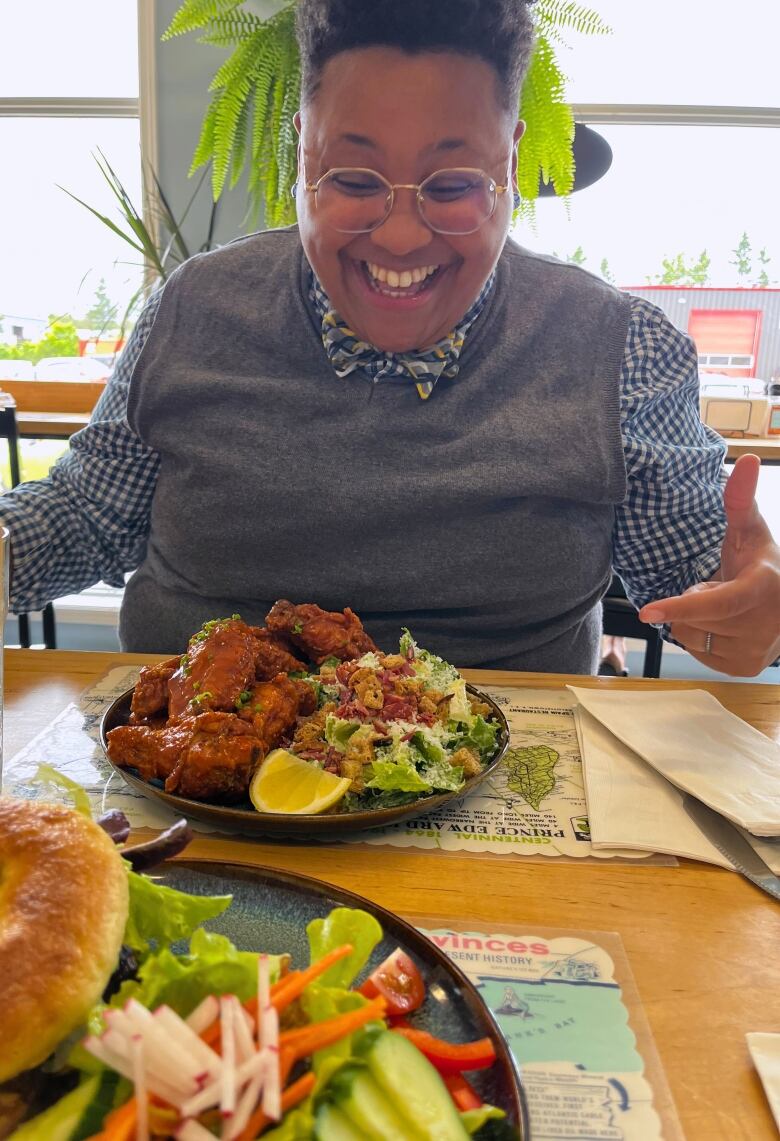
(393, 406)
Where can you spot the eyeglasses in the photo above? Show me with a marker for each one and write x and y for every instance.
(354, 200)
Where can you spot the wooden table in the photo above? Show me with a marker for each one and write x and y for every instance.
(703, 943)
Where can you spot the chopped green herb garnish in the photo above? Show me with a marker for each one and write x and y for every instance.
(200, 697)
(258, 708)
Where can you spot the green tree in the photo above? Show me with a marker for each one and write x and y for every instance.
(579, 257)
(606, 272)
(59, 340)
(677, 272)
(103, 313)
(742, 256)
(764, 260)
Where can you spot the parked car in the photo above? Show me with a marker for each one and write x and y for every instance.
(71, 368)
(16, 370)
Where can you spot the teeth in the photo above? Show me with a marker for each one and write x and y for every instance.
(402, 280)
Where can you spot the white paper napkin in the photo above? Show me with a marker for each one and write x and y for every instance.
(765, 1052)
(699, 746)
(629, 804)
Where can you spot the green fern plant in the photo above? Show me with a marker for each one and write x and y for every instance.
(255, 94)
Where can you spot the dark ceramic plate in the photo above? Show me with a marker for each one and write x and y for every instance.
(269, 912)
(244, 818)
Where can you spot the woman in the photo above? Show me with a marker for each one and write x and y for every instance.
(395, 408)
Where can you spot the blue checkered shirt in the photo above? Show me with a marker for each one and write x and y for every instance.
(89, 520)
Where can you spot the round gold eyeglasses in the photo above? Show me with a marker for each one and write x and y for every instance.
(355, 200)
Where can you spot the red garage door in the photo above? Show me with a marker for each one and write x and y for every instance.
(726, 339)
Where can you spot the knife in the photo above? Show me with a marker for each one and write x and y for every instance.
(729, 840)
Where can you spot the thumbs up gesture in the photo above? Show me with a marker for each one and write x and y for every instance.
(732, 622)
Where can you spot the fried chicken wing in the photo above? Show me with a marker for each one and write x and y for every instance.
(320, 633)
(273, 655)
(219, 760)
(153, 752)
(150, 695)
(208, 757)
(218, 667)
(272, 709)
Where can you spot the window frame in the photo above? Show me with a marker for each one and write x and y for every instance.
(143, 108)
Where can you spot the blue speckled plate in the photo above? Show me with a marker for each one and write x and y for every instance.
(244, 818)
(270, 911)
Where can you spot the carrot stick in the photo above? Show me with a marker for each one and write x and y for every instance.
(320, 1034)
(291, 1097)
(120, 1124)
(296, 982)
(284, 991)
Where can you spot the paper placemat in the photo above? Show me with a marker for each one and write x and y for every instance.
(534, 805)
(567, 1005)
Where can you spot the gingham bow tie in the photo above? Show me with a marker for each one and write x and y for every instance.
(347, 353)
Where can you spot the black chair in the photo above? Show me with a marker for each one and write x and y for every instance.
(9, 432)
(620, 621)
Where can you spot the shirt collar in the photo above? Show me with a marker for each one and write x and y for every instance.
(423, 367)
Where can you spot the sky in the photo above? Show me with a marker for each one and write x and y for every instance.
(670, 190)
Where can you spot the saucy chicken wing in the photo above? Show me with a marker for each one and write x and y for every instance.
(272, 708)
(218, 667)
(273, 655)
(150, 695)
(320, 633)
(208, 757)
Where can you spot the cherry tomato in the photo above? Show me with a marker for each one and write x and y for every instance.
(399, 983)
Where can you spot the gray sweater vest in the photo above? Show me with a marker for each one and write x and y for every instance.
(481, 518)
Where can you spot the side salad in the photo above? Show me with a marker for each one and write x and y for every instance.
(211, 1041)
(396, 726)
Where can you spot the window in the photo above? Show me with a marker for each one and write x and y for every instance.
(687, 213)
(68, 89)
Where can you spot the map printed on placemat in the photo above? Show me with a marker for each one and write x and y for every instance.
(533, 805)
(71, 745)
(560, 1006)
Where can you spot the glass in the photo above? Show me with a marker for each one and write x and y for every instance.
(4, 562)
(53, 252)
(670, 191)
(83, 48)
(355, 200)
(689, 53)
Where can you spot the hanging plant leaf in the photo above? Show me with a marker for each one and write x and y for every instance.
(256, 90)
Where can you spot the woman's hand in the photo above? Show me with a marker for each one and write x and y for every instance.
(732, 624)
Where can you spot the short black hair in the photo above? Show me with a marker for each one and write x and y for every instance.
(501, 32)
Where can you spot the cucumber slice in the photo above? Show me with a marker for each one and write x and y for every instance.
(355, 1092)
(77, 1115)
(333, 1125)
(415, 1089)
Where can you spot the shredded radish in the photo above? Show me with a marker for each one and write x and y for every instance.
(211, 1094)
(227, 1101)
(193, 1131)
(204, 1014)
(208, 1059)
(245, 1047)
(263, 992)
(269, 1028)
(163, 1055)
(272, 1087)
(141, 1089)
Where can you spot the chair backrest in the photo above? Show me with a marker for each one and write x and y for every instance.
(78, 396)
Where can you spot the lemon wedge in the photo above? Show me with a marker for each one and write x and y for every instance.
(285, 783)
